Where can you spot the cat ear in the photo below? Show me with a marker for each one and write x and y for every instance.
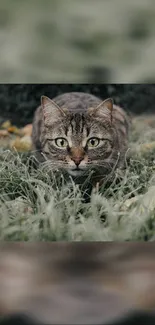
(51, 111)
(103, 110)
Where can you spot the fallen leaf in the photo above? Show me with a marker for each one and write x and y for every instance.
(6, 125)
(14, 129)
(4, 133)
(27, 130)
(23, 144)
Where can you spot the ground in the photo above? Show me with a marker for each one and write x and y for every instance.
(33, 205)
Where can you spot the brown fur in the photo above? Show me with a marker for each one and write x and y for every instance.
(76, 117)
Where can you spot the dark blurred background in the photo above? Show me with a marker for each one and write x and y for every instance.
(19, 101)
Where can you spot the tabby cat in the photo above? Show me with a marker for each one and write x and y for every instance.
(79, 133)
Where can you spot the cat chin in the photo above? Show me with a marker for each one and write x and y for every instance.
(76, 172)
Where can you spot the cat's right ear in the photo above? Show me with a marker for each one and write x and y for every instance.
(103, 110)
(51, 111)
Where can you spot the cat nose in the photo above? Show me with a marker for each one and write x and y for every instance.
(77, 160)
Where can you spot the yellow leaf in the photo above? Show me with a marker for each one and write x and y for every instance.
(27, 130)
(6, 125)
(23, 144)
(14, 129)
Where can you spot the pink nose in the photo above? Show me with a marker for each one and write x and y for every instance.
(77, 160)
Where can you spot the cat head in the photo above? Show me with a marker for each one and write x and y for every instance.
(77, 140)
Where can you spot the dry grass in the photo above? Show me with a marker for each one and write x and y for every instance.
(37, 205)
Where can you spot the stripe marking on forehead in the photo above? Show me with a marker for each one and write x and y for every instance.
(76, 125)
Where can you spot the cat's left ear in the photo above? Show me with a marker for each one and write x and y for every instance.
(105, 108)
(108, 103)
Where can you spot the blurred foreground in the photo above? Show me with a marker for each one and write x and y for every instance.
(77, 41)
(77, 283)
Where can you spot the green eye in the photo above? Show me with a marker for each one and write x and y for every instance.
(93, 142)
(61, 142)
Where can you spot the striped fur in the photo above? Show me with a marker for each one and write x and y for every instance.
(77, 117)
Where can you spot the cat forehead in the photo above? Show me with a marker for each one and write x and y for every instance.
(78, 126)
(75, 110)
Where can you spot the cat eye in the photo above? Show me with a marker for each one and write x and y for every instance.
(93, 142)
(61, 142)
